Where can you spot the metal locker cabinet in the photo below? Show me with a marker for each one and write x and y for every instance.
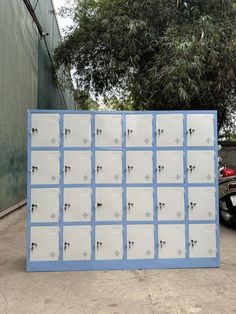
(45, 167)
(201, 166)
(139, 130)
(108, 242)
(170, 203)
(139, 203)
(171, 241)
(77, 204)
(76, 243)
(77, 167)
(200, 130)
(202, 203)
(45, 130)
(44, 244)
(170, 167)
(139, 167)
(77, 130)
(202, 240)
(140, 242)
(169, 130)
(108, 130)
(108, 166)
(108, 204)
(44, 205)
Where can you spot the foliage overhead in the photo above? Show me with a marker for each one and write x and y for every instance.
(163, 54)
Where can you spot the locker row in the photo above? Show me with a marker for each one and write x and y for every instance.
(109, 167)
(108, 204)
(79, 131)
(109, 245)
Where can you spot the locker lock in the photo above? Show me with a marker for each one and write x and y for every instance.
(99, 131)
(33, 245)
(192, 205)
(66, 245)
(193, 243)
(130, 168)
(131, 243)
(161, 205)
(160, 168)
(33, 206)
(67, 131)
(191, 168)
(191, 131)
(67, 168)
(99, 204)
(130, 205)
(34, 168)
(162, 243)
(34, 130)
(130, 131)
(66, 206)
(160, 131)
(99, 244)
(99, 168)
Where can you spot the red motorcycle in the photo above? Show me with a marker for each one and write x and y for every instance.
(227, 191)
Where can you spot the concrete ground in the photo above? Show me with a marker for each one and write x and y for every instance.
(147, 291)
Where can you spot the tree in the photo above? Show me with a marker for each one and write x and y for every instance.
(163, 54)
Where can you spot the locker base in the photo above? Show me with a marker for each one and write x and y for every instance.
(123, 265)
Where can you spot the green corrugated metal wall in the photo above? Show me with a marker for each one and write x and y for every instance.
(26, 81)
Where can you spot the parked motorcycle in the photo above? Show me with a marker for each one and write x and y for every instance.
(227, 193)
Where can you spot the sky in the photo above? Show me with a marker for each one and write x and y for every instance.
(63, 22)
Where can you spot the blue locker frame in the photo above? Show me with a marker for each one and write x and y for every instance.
(93, 264)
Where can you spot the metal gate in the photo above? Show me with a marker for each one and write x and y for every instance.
(122, 190)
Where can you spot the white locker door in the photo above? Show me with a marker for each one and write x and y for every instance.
(170, 203)
(108, 204)
(139, 167)
(138, 130)
(77, 130)
(201, 167)
(108, 130)
(171, 241)
(45, 167)
(200, 130)
(140, 242)
(169, 130)
(109, 242)
(44, 244)
(170, 167)
(202, 240)
(45, 130)
(77, 204)
(108, 167)
(77, 167)
(76, 243)
(201, 203)
(44, 205)
(139, 203)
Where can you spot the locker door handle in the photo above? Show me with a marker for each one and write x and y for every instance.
(99, 204)
(34, 168)
(99, 131)
(131, 243)
(66, 245)
(129, 132)
(130, 168)
(160, 168)
(33, 206)
(99, 244)
(67, 168)
(66, 206)
(130, 205)
(190, 131)
(99, 168)
(34, 130)
(161, 205)
(192, 243)
(162, 243)
(67, 131)
(33, 246)
(192, 205)
(191, 168)
(160, 131)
